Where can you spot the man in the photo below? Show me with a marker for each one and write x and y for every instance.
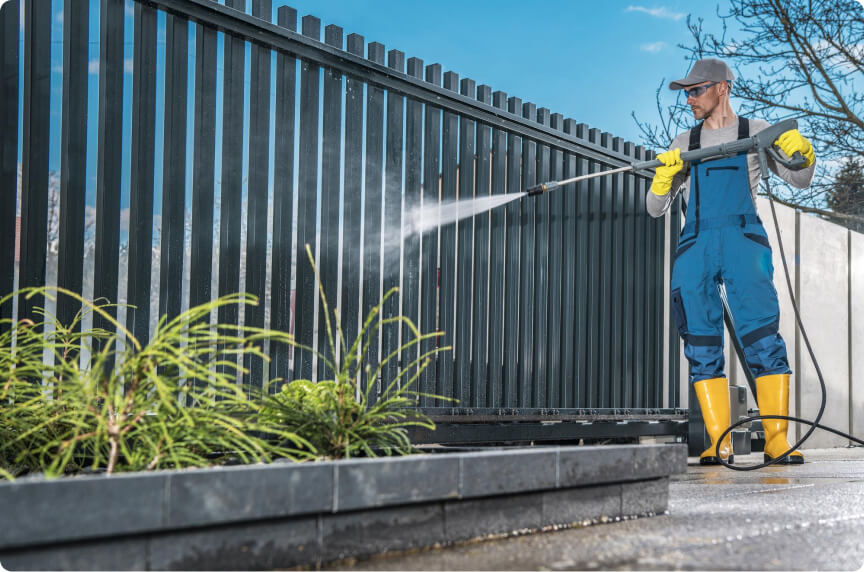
(723, 242)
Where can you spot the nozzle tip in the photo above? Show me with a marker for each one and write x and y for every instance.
(536, 190)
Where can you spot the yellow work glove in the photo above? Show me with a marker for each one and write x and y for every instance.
(792, 141)
(672, 163)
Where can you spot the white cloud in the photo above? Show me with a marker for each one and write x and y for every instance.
(652, 48)
(661, 12)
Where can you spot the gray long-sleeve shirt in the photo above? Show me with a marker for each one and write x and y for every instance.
(657, 205)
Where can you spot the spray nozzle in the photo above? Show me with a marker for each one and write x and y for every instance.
(541, 188)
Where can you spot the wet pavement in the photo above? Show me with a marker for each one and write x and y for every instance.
(804, 517)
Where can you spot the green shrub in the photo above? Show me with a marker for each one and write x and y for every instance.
(123, 411)
(337, 416)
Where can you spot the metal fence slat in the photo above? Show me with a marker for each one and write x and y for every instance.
(392, 231)
(447, 268)
(554, 355)
(373, 199)
(630, 214)
(410, 291)
(512, 274)
(480, 289)
(306, 296)
(673, 357)
(257, 190)
(109, 160)
(497, 262)
(581, 321)
(353, 200)
(595, 258)
(174, 166)
(569, 269)
(143, 152)
(9, 34)
(541, 273)
(528, 257)
(464, 254)
(231, 177)
(34, 162)
(281, 309)
(606, 263)
(617, 284)
(642, 345)
(331, 159)
(657, 230)
(203, 183)
(429, 276)
(73, 158)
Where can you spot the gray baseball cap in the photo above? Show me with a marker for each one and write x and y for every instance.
(709, 69)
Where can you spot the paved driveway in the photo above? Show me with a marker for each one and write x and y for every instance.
(805, 517)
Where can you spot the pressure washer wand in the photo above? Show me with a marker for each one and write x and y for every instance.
(762, 142)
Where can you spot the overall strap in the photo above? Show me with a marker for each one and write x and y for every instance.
(695, 137)
(695, 143)
(743, 128)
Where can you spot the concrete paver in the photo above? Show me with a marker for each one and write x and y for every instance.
(804, 517)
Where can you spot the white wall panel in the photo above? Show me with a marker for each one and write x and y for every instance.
(857, 332)
(824, 311)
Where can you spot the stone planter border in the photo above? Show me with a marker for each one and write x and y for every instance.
(285, 514)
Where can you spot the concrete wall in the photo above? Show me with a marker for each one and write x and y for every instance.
(826, 262)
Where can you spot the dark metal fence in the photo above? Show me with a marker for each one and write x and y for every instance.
(553, 303)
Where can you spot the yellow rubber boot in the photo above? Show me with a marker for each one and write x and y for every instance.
(713, 397)
(772, 395)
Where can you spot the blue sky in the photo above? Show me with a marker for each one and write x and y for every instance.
(595, 62)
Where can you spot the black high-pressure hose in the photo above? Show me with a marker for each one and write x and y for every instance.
(813, 424)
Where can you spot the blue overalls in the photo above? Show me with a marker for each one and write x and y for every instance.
(723, 242)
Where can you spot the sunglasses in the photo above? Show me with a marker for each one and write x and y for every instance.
(697, 91)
